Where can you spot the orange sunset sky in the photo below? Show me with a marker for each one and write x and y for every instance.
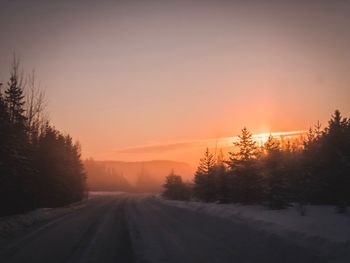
(124, 76)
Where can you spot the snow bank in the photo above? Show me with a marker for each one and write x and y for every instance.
(319, 222)
(12, 225)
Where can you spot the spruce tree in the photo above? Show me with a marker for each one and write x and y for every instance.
(223, 179)
(175, 188)
(336, 155)
(247, 149)
(19, 170)
(246, 180)
(6, 178)
(14, 97)
(205, 183)
(44, 172)
(60, 170)
(274, 175)
(4, 121)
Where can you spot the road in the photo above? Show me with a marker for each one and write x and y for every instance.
(138, 228)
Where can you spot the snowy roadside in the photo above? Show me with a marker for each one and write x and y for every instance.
(93, 194)
(10, 226)
(321, 228)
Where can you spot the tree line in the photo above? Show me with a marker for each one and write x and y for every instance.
(39, 165)
(103, 178)
(316, 172)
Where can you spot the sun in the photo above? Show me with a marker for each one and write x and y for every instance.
(262, 138)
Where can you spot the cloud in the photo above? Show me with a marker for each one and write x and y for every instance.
(156, 148)
(222, 142)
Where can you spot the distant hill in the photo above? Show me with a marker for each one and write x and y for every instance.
(157, 169)
(142, 176)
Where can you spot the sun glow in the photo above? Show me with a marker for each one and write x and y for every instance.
(261, 138)
(191, 150)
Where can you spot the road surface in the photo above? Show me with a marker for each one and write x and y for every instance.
(138, 228)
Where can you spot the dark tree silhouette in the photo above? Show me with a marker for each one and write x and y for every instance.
(61, 178)
(38, 167)
(336, 159)
(223, 179)
(273, 170)
(19, 187)
(314, 169)
(247, 182)
(175, 188)
(14, 96)
(205, 183)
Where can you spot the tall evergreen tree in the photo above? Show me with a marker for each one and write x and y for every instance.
(318, 130)
(46, 171)
(247, 150)
(61, 177)
(336, 159)
(4, 120)
(205, 183)
(6, 179)
(247, 182)
(310, 176)
(18, 168)
(316, 170)
(223, 179)
(274, 174)
(14, 97)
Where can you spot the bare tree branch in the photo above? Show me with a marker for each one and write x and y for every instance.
(35, 104)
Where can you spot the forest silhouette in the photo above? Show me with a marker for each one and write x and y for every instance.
(42, 167)
(317, 171)
(39, 165)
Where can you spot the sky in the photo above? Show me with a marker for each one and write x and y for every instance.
(128, 74)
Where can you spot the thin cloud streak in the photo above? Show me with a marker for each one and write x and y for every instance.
(218, 143)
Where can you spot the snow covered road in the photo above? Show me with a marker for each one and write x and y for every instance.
(140, 228)
(95, 233)
(163, 233)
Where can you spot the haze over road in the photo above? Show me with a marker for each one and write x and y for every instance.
(139, 228)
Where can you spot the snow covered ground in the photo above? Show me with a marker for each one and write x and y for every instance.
(320, 224)
(93, 194)
(123, 227)
(12, 225)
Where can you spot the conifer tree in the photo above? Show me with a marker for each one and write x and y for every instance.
(205, 183)
(274, 174)
(246, 180)
(19, 171)
(6, 179)
(46, 171)
(316, 170)
(318, 130)
(4, 120)
(175, 188)
(223, 179)
(247, 150)
(14, 97)
(336, 159)
(60, 170)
